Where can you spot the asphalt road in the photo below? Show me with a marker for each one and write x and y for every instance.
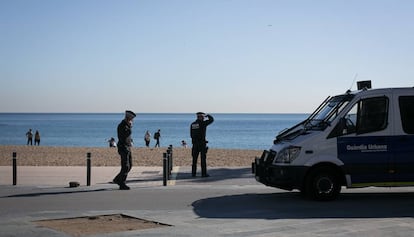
(229, 203)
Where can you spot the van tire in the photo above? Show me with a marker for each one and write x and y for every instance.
(322, 184)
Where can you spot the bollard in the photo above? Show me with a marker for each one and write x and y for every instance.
(170, 163)
(88, 169)
(14, 168)
(165, 169)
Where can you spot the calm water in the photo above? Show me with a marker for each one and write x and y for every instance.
(240, 131)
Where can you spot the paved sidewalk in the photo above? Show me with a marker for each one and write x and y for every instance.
(62, 175)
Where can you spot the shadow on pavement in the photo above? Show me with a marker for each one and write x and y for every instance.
(60, 192)
(291, 205)
(218, 174)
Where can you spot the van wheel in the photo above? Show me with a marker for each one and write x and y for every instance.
(323, 184)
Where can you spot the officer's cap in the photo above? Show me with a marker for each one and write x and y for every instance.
(130, 114)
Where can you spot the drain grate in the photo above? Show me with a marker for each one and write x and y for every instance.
(91, 225)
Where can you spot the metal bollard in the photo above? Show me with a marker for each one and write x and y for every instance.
(165, 168)
(14, 168)
(170, 148)
(169, 161)
(88, 169)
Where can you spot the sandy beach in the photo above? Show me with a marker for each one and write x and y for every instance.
(105, 156)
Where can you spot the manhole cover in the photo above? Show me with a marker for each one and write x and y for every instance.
(91, 225)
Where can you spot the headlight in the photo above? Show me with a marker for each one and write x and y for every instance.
(287, 155)
(268, 156)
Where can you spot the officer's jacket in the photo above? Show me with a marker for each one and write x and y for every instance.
(198, 129)
(124, 134)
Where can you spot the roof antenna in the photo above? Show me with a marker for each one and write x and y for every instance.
(355, 77)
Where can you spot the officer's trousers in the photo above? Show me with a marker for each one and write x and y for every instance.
(126, 164)
(199, 148)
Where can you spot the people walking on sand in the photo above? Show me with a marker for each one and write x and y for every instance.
(29, 136)
(198, 137)
(157, 136)
(37, 138)
(124, 131)
(147, 138)
(112, 142)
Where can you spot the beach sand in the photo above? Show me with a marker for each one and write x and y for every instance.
(105, 156)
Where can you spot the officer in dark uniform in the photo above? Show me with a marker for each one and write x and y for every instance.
(198, 137)
(124, 149)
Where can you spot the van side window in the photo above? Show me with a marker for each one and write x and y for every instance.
(368, 115)
(351, 120)
(407, 113)
(372, 115)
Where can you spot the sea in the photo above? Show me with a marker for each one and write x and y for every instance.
(229, 131)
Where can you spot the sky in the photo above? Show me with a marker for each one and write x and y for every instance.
(182, 56)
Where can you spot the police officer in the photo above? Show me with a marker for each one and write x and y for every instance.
(124, 149)
(198, 137)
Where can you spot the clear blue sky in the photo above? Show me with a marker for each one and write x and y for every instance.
(218, 56)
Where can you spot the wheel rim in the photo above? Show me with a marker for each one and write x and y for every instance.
(324, 185)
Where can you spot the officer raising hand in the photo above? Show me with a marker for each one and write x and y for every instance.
(198, 136)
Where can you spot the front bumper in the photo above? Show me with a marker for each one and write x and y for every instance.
(283, 177)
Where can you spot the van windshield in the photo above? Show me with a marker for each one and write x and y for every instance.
(318, 120)
(327, 112)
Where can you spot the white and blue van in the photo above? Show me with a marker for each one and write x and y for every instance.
(358, 139)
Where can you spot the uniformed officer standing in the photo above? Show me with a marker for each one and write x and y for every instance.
(198, 137)
(124, 149)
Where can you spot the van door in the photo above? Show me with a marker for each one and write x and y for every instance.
(363, 146)
(403, 144)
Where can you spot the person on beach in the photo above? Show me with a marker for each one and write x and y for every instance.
(198, 137)
(124, 149)
(157, 137)
(29, 136)
(147, 138)
(184, 144)
(112, 142)
(37, 138)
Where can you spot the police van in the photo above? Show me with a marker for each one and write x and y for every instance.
(357, 139)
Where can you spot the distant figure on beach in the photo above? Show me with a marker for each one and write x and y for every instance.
(124, 131)
(29, 136)
(198, 137)
(147, 138)
(157, 136)
(184, 144)
(37, 138)
(112, 142)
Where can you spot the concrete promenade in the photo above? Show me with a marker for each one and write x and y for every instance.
(62, 175)
(229, 203)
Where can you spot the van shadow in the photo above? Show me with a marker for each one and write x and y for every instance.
(291, 205)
